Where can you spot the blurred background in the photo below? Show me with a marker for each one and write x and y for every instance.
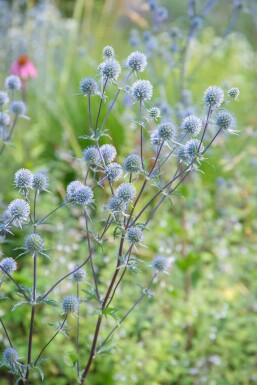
(200, 327)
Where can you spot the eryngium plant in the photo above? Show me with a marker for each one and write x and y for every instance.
(132, 190)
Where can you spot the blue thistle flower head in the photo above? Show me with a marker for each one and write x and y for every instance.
(213, 97)
(72, 188)
(34, 243)
(83, 196)
(10, 356)
(132, 163)
(40, 182)
(23, 179)
(160, 264)
(110, 69)
(142, 90)
(19, 108)
(4, 119)
(108, 52)
(182, 154)
(108, 152)
(192, 125)
(134, 235)
(225, 121)
(4, 98)
(154, 138)
(167, 131)
(19, 209)
(79, 275)
(234, 93)
(114, 171)
(91, 155)
(9, 265)
(193, 149)
(12, 83)
(116, 204)
(88, 86)
(126, 192)
(70, 304)
(154, 113)
(161, 14)
(137, 61)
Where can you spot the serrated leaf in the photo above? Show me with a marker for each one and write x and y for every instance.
(18, 304)
(110, 311)
(108, 349)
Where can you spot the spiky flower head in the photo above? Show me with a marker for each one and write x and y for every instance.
(114, 171)
(134, 234)
(126, 192)
(116, 204)
(160, 264)
(40, 182)
(4, 119)
(225, 120)
(213, 97)
(72, 188)
(19, 108)
(192, 125)
(132, 163)
(9, 265)
(234, 93)
(19, 209)
(23, 179)
(154, 138)
(108, 52)
(79, 275)
(137, 61)
(88, 86)
(12, 83)
(83, 196)
(193, 149)
(182, 154)
(10, 356)
(91, 155)
(110, 69)
(154, 113)
(108, 152)
(4, 99)
(70, 304)
(142, 90)
(34, 243)
(167, 131)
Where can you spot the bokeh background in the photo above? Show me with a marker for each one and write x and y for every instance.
(200, 327)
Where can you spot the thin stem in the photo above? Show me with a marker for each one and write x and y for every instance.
(48, 343)
(16, 283)
(6, 333)
(101, 103)
(141, 134)
(33, 309)
(90, 112)
(77, 332)
(53, 211)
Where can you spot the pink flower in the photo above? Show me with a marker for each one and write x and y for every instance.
(24, 68)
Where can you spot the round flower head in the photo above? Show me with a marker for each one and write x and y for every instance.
(4, 119)
(34, 243)
(155, 140)
(79, 275)
(83, 196)
(108, 152)
(192, 125)
(19, 209)
(213, 97)
(116, 204)
(10, 356)
(132, 163)
(108, 52)
(137, 61)
(40, 182)
(193, 149)
(12, 83)
(142, 90)
(134, 235)
(88, 86)
(225, 120)
(4, 99)
(154, 113)
(9, 265)
(161, 14)
(91, 155)
(113, 171)
(70, 304)
(126, 192)
(23, 179)
(110, 69)
(167, 131)
(182, 154)
(159, 264)
(72, 188)
(19, 108)
(234, 93)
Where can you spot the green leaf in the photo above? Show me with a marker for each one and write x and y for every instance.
(18, 304)
(110, 311)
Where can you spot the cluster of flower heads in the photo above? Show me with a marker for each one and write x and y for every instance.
(78, 193)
